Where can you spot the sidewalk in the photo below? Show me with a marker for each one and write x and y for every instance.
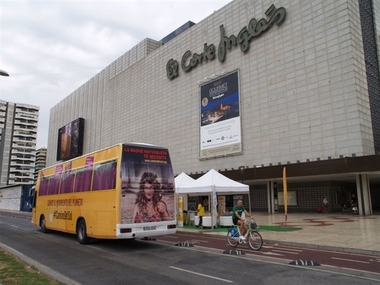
(335, 231)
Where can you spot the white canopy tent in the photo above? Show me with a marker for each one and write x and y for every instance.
(213, 183)
(180, 181)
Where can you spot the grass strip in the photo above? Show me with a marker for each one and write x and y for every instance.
(16, 272)
(278, 228)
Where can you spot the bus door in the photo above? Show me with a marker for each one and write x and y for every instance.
(33, 193)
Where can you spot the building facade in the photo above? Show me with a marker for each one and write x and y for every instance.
(40, 161)
(255, 87)
(18, 138)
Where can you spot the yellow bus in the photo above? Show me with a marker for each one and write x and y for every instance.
(121, 192)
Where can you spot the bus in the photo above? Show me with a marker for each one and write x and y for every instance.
(121, 192)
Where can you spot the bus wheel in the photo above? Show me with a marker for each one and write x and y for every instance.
(43, 224)
(82, 232)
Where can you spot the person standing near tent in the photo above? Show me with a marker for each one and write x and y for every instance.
(201, 212)
(237, 218)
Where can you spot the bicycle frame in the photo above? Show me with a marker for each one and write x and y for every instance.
(254, 238)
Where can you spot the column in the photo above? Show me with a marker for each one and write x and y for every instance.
(363, 194)
(270, 194)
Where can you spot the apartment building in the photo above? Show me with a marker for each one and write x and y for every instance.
(18, 138)
(40, 161)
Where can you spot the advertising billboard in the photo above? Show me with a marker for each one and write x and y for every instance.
(220, 122)
(147, 187)
(70, 140)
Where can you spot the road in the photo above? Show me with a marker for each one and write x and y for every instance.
(161, 262)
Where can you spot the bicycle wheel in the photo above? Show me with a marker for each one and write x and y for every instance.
(232, 241)
(255, 240)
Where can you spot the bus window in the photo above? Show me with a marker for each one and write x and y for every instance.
(104, 176)
(83, 180)
(44, 186)
(54, 184)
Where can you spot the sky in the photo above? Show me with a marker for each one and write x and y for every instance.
(51, 47)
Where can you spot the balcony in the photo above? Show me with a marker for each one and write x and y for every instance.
(18, 180)
(19, 151)
(24, 133)
(23, 146)
(24, 160)
(22, 141)
(26, 116)
(22, 174)
(20, 167)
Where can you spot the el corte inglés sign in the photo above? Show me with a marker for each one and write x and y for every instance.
(254, 29)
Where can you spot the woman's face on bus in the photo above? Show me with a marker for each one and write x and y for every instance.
(148, 190)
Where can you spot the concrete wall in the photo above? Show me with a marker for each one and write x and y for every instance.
(10, 198)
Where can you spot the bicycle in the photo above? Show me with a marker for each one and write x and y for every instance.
(255, 240)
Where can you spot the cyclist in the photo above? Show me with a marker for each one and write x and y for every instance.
(237, 218)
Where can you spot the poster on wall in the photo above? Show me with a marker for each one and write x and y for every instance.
(220, 122)
(147, 187)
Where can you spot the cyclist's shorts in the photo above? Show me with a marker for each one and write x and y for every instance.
(235, 221)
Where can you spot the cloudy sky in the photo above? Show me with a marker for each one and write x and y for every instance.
(51, 47)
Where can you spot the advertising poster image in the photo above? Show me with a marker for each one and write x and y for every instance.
(220, 130)
(147, 185)
(70, 140)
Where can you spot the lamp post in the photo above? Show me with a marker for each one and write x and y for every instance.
(3, 73)
(241, 168)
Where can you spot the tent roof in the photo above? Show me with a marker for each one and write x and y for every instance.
(213, 181)
(182, 180)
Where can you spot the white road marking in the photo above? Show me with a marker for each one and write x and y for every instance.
(284, 251)
(200, 274)
(290, 249)
(198, 241)
(14, 226)
(351, 260)
(271, 253)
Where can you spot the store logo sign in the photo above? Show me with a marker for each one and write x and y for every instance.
(254, 29)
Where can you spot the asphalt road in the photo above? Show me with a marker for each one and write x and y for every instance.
(161, 262)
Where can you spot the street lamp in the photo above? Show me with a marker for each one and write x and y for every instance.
(3, 73)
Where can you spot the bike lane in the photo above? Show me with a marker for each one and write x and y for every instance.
(369, 263)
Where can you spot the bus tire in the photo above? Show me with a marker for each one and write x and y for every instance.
(82, 232)
(43, 224)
